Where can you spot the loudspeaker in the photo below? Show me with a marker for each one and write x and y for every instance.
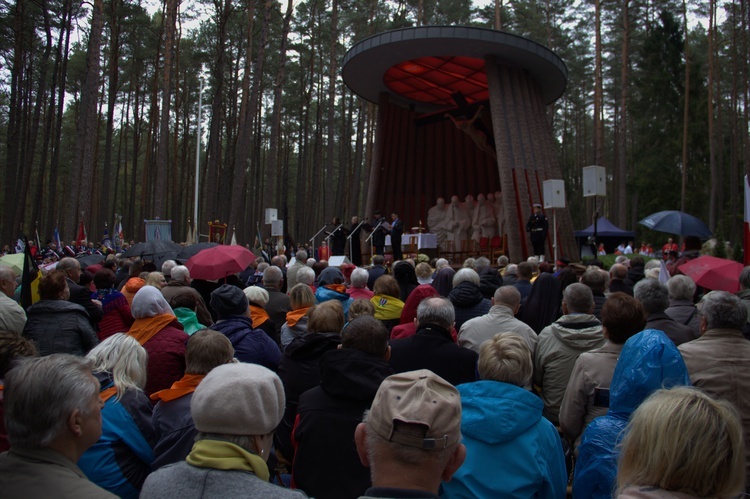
(338, 261)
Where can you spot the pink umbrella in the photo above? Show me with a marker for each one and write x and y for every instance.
(716, 274)
(219, 262)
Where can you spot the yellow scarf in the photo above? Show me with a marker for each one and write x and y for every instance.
(222, 455)
(145, 329)
(387, 307)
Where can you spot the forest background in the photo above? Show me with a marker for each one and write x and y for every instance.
(99, 108)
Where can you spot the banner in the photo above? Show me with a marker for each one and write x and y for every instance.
(158, 230)
(217, 232)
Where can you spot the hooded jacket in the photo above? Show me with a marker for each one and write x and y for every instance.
(503, 423)
(323, 294)
(649, 361)
(299, 371)
(468, 301)
(253, 346)
(59, 326)
(557, 350)
(326, 419)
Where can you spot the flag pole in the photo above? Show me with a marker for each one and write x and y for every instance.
(198, 161)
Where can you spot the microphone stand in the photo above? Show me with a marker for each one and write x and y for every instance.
(369, 238)
(312, 239)
(349, 237)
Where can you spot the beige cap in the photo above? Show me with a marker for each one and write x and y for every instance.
(417, 397)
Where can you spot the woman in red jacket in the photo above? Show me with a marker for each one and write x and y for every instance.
(117, 317)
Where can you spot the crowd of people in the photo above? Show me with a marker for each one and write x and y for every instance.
(424, 378)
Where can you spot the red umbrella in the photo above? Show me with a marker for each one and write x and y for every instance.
(219, 261)
(717, 274)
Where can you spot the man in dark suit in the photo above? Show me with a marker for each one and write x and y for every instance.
(79, 294)
(381, 228)
(432, 346)
(397, 230)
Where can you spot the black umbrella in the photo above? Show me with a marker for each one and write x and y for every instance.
(189, 251)
(154, 250)
(677, 222)
(88, 260)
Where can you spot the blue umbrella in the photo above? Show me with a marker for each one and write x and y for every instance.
(677, 222)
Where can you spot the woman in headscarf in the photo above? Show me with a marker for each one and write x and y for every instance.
(406, 326)
(121, 460)
(301, 298)
(158, 331)
(388, 306)
(56, 325)
(542, 307)
(406, 277)
(443, 282)
(117, 316)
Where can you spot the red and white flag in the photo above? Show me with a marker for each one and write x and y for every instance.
(82, 234)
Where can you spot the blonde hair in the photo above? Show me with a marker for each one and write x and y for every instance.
(301, 296)
(154, 279)
(682, 440)
(124, 358)
(506, 358)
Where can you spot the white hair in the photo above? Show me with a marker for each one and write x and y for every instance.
(180, 273)
(124, 358)
(359, 278)
(305, 275)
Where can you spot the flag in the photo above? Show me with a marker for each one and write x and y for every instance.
(56, 237)
(663, 272)
(234, 239)
(81, 233)
(190, 239)
(746, 225)
(29, 279)
(118, 235)
(106, 241)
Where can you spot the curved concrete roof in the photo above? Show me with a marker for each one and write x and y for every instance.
(365, 64)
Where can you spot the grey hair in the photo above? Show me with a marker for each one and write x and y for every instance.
(272, 276)
(262, 266)
(579, 298)
(301, 256)
(621, 259)
(6, 273)
(681, 287)
(595, 279)
(502, 260)
(470, 263)
(167, 267)
(441, 262)
(68, 263)
(359, 278)
(41, 393)
(652, 294)
(123, 357)
(723, 310)
(306, 275)
(436, 310)
(465, 274)
(507, 295)
(310, 262)
(483, 262)
(511, 269)
(180, 273)
(745, 278)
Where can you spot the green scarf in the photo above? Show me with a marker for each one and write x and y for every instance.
(221, 455)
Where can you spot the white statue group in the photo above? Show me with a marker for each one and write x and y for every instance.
(472, 219)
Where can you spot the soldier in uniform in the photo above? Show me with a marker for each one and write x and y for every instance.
(537, 227)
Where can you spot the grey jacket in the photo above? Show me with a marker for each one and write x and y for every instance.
(191, 482)
(558, 348)
(499, 319)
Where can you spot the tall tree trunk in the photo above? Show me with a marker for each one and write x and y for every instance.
(80, 181)
(160, 186)
(622, 166)
(245, 127)
(498, 25)
(331, 128)
(686, 110)
(273, 152)
(112, 88)
(714, 167)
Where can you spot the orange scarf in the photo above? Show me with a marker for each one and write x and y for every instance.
(294, 316)
(341, 288)
(145, 329)
(258, 316)
(186, 385)
(107, 393)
